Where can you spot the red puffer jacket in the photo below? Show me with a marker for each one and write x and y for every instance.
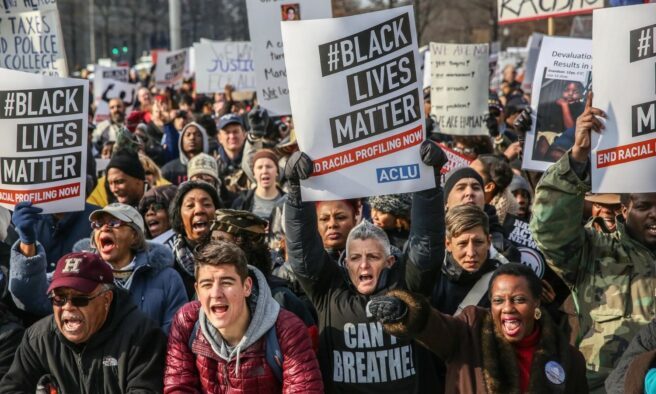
(204, 371)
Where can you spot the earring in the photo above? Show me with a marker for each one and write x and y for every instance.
(537, 314)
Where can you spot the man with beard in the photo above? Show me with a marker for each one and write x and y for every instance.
(193, 141)
(96, 340)
(107, 130)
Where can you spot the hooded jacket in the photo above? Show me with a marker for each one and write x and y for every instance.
(611, 275)
(125, 355)
(175, 171)
(156, 289)
(212, 366)
(356, 355)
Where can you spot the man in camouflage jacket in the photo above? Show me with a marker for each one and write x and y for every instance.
(612, 276)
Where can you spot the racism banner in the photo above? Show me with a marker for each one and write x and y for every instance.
(264, 19)
(624, 156)
(563, 75)
(511, 11)
(170, 68)
(110, 83)
(358, 79)
(456, 160)
(459, 87)
(44, 124)
(31, 38)
(218, 63)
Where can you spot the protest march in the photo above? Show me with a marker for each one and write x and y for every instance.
(328, 196)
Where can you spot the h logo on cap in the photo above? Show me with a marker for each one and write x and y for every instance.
(72, 266)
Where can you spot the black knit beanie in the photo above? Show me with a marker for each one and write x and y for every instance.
(128, 163)
(453, 176)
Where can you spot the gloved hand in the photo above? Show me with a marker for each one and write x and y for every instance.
(299, 166)
(25, 218)
(258, 119)
(432, 155)
(492, 125)
(523, 122)
(387, 309)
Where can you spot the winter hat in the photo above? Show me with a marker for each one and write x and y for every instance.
(453, 176)
(160, 194)
(203, 163)
(264, 153)
(174, 209)
(128, 163)
(81, 271)
(518, 183)
(395, 204)
(239, 223)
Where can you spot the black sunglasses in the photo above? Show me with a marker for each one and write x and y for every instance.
(77, 301)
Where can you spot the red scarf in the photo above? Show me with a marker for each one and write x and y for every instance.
(524, 350)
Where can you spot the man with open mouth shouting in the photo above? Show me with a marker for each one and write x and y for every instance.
(142, 268)
(95, 331)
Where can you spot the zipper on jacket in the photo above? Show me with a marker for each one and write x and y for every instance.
(78, 361)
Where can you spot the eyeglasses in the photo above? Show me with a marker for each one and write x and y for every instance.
(112, 223)
(156, 206)
(76, 301)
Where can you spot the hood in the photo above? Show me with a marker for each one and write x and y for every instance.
(264, 313)
(156, 256)
(183, 158)
(386, 275)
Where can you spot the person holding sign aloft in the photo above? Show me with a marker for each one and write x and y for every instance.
(611, 275)
(350, 340)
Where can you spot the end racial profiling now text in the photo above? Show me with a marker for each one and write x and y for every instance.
(41, 137)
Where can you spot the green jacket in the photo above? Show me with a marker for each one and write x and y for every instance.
(612, 276)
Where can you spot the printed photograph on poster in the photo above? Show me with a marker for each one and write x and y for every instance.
(44, 151)
(291, 12)
(560, 102)
(373, 130)
(624, 86)
(563, 77)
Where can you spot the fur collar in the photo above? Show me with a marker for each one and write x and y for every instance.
(500, 368)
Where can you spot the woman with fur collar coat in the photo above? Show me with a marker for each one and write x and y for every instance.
(511, 348)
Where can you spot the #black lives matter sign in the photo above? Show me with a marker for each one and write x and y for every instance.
(628, 143)
(356, 101)
(44, 124)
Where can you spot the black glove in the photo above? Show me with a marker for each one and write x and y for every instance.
(299, 166)
(523, 122)
(25, 218)
(432, 155)
(387, 309)
(258, 119)
(492, 125)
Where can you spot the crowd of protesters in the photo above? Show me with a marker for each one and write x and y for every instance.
(196, 266)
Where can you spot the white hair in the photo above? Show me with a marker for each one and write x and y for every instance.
(366, 230)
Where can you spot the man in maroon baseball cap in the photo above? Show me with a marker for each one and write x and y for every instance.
(95, 326)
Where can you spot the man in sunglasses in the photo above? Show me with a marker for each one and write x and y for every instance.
(144, 269)
(96, 340)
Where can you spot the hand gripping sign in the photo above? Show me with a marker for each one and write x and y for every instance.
(355, 92)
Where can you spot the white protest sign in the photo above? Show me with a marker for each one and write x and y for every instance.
(424, 52)
(219, 63)
(534, 43)
(264, 19)
(562, 79)
(511, 11)
(31, 39)
(170, 68)
(624, 156)
(370, 105)
(109, 83)
(44, 152)
(459, 87)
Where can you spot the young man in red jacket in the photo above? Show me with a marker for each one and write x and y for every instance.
(236, 338)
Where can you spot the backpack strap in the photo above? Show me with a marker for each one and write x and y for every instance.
(272, 352)
(476, 293)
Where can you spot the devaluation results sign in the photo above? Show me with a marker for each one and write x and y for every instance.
(624, 82)
(44, 131)
(357, 78)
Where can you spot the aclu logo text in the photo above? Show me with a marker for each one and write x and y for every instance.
(397, 173)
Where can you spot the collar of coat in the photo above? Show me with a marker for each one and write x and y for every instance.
(500, 368)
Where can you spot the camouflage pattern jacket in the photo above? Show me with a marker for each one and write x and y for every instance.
(612, 276)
